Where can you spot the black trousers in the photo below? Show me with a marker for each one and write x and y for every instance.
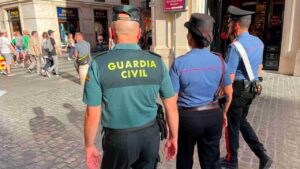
(205, 129)
(131, 150)
(237, 121)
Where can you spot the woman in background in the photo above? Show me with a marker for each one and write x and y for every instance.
(71, 46)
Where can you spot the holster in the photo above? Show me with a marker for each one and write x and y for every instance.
(161, 122)
(245, 88)
(222, 100)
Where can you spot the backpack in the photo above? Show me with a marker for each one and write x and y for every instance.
(47, 46)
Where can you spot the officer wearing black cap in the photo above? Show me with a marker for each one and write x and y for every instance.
(197, 77)
(244, 59)
(126, 81)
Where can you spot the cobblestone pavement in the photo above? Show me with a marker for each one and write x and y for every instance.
(41, 122)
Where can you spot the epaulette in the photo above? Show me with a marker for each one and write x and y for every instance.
(153, 53)
(102, 53)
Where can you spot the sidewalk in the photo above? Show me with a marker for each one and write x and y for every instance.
(41, 122)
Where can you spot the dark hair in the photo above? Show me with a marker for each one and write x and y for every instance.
(45, 35)
(33, 32)
(200, 41)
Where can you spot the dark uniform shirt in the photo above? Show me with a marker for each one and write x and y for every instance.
(254, 48)
(196, 77)
(127, 80)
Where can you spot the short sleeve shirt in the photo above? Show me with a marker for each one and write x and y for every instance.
(196, 77)
(26, 41)
(53, 43)
(127, 81)
(254, 48)
(83, 48)
(4, 45)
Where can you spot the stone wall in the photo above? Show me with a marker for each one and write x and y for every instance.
(163, 30)
(290, 38)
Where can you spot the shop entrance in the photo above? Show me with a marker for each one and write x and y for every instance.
(101, 28)
(68, 21)
(267, 23)
(14, 21)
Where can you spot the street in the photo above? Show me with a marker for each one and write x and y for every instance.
(41, 122)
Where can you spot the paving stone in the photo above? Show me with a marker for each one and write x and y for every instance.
(41, 122)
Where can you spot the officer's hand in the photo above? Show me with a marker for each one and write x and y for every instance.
(93, 158)
(171, 148)
(225, 122)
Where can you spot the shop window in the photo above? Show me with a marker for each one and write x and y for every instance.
(68, 21)
(101, 28)
(125, 2)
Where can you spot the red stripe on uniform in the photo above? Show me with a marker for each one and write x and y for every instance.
(228, 156)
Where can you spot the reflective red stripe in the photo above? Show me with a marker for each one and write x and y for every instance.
(228, 156)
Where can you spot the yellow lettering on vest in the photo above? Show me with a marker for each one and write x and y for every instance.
(120, 65)
(128, 65)
(111, 66)
(128, 74)
(142, 63)
(123, 75)
(135, 64)
(144, 73)
(134, 73)
(153, 64)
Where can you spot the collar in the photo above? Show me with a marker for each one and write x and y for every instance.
(199, 50)
(127, 46)
(243, 35)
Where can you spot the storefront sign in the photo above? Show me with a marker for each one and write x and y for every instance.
(100, 14)
(67, 13)
(13, 14)
(175, 5)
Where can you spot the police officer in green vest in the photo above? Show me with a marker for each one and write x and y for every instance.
(121, 89)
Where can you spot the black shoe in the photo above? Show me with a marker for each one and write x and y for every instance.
(227, 164)
(265, 163)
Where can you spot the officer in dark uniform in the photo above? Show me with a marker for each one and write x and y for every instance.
(126, 81)
(196, 78)
(244, 89)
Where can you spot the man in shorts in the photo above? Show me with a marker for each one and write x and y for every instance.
(6, 50)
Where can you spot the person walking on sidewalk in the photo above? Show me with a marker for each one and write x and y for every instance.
(244, 58)
(197, 78)
(6, 49)
(35, 52)
(83, 56)
(25, 53)
(70, 46)
(53, 51)
(127, 80)
(18, 43)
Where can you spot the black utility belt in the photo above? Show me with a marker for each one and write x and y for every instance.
(210, 106)
(122, 131)
(242, 84)
(246, 87)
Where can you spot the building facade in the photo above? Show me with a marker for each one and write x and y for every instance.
(91, 17)
(283, 56)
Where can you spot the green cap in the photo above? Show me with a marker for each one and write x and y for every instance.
(128, 9)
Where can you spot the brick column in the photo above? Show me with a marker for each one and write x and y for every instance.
(297, 64)
(162, 29)
(290, 38)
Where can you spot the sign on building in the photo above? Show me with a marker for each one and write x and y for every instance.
(175, 5)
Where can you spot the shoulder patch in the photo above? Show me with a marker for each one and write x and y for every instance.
(153, 53)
